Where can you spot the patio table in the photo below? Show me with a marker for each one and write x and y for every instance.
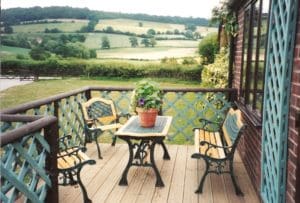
(142, 140)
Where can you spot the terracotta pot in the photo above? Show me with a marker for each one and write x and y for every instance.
(147, 117)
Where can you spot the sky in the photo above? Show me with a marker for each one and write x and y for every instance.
(184, 8)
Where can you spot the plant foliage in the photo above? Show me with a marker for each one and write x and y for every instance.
(147, 95)
(215, 75)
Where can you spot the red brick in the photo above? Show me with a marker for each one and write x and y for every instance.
(289, 198)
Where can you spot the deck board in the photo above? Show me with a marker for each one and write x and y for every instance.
(181, 176)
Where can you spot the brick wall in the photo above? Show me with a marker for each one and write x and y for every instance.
(250, 145)
(294, 139)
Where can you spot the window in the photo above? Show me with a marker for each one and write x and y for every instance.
(253, 65)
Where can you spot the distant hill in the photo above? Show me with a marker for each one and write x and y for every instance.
(15, 16)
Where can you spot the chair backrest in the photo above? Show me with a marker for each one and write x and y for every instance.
(232, 126)
(101, 109)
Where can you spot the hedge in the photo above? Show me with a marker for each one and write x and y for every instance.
(54, 67)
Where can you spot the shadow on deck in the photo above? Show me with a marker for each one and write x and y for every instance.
(181, 176)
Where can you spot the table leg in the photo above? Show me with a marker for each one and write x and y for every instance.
(123, 180)
(166, 153)
(159, 182)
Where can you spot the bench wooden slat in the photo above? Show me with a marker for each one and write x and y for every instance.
(69, 161)
(213, 151)
(211, 137)
(219, 143)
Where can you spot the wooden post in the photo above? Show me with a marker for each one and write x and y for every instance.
(51, 135)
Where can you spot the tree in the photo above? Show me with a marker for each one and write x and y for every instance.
(8, 29)
(140, 24)
(105, 44)
(189, 34)
(176, 32)
(208, 47)
(109, 29)
(38, 53)
(191, 27)
(133, 41)
(93, 53)
(152, 42)
(197, 35)
(146, 42)
(151, 32)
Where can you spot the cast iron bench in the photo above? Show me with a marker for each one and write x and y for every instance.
(217, 148)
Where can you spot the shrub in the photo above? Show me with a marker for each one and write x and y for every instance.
(208, 47)
(216, 74)
(189, 61)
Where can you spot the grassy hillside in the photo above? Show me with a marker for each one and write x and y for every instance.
(120, 47)
(127, 25)
(65, 27)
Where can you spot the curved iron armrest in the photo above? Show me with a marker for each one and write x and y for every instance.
(210, 145)
(63, 140)
(66, 146)
(123, 115)
(209, 122)
(74, 151)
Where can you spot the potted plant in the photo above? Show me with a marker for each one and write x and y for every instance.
(146, 101)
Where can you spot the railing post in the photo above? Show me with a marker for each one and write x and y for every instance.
(88, 94)
(51, 135)
(232, 96)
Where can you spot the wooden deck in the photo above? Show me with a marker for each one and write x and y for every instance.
(181, 177)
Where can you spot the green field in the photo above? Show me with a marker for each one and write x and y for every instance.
(65, 27)
(127, 25)
(6, 50)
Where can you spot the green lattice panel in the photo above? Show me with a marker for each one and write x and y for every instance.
(185, 107)
(23, 174)
(70, 119)
(276, 99)
(69, 116)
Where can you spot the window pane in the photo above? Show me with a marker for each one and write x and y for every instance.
(252, 72)
(262, 46)
(245, 50)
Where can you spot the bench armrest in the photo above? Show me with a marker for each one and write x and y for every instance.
(70, 151)
(123, 115)
(210, 145)
(209, 122)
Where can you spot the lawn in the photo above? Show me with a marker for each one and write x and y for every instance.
(46, 88)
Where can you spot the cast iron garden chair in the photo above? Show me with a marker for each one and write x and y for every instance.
(99, 115)
(217, 148)
(70, 161)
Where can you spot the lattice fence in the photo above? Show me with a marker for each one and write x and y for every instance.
(185, 107)
(22, 166)
(276, 99)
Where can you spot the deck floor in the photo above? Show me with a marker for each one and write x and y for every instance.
(181, 177)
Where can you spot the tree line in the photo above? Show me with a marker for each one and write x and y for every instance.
(14, 16)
